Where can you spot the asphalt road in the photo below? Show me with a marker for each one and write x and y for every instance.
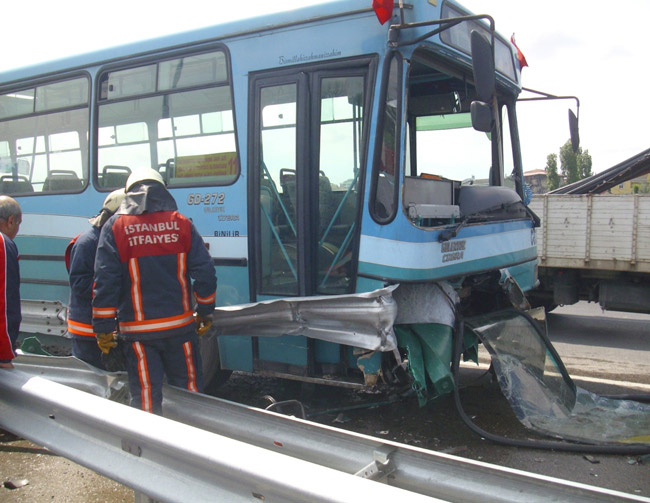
(606, 353)
(602, 344)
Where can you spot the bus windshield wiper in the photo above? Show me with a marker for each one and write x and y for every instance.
(448, 234)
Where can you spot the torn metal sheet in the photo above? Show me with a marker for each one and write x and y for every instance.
(363, 320)
(541, 392)
(429, 351)
(429, 348)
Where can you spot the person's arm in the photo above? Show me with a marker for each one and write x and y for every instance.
(202, 271)
(82, 268)
(108, 282)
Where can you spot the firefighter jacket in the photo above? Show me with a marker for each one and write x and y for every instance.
(10, 316)
(80, 261)
(150, 262)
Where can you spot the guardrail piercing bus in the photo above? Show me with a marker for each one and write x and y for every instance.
(320, 153)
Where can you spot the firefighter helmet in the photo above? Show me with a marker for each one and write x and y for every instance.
(142, 175)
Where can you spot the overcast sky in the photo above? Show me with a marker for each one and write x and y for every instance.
(594, 49)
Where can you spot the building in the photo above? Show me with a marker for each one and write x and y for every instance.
(537, 181)
(638, 185)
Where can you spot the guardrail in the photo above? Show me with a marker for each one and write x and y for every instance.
(227, 450)
(166, 460)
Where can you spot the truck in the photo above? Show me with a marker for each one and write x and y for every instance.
(593, 245)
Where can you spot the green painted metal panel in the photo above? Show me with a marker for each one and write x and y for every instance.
(369, 362)
(236, 353)
(437, 341)
(327, 352)
(407, 339)
(289, 349)
(429, 348)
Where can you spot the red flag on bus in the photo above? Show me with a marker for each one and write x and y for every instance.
(520, 55)
(383, 9)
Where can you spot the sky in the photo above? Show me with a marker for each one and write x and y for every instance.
(595, 50)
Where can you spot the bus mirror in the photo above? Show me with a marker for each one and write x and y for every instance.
(483, 67)
(573, 129)
(482, 116)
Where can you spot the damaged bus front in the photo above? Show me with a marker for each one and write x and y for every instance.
(363, 166)
(413, 192)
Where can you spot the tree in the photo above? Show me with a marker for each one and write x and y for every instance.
(573, 165)
(584, 163)
(552, 178)
(569, 163)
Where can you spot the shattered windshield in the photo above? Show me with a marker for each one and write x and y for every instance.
(541, 393)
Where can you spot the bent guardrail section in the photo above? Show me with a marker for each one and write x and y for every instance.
(164, 459)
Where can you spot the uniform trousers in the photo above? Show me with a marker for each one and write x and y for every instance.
(86, 349)
(150, 361)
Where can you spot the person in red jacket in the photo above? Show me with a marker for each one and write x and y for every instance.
(80, 262)
(11, 217)
(151, 267)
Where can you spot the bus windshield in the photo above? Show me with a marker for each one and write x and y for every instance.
(441, 139)
(449, 147)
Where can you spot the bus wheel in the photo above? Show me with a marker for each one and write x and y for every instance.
(213, 375)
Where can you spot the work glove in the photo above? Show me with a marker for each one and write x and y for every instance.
(106, 342)
(115, 361)
(203, 323)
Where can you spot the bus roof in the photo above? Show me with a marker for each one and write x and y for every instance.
(231, 29)
(317, 13)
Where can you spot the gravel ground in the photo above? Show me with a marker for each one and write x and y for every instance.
(48, 477)
(51, 478)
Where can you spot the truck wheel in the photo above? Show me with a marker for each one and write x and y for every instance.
(541, 301)
(549, 306)
(213, 375)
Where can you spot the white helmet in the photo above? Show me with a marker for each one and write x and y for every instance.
(141, 175)
(111, 204)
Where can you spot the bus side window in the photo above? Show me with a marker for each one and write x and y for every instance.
(44, 144)
(15, 185)
(114, 176)
(384, 188)
(62, 180)
(173, 115)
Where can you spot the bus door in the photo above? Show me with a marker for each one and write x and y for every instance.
(305, 165)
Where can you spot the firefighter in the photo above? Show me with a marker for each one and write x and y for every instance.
(150, 262)
(80, 262)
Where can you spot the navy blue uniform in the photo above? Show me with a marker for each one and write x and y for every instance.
(80, 261)
(151, 266)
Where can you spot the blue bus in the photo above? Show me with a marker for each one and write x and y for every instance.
(322, 152)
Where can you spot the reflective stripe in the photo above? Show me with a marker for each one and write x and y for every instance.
(136, 294)
(104, 312)
(78, 328)
(143, 375)
(182, 279)
(158, 323)
(206, 300)
(191, 371)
